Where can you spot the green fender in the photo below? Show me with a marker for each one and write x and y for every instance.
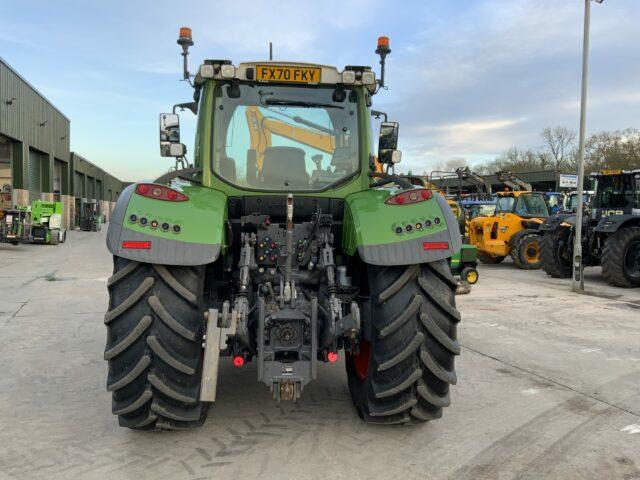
(384, 234)
(196, 227)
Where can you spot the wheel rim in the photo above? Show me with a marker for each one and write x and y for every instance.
(472, 277)
(362, 359)
(532, 252)
(632, 260)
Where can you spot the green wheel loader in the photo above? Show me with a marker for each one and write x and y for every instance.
(280, 245)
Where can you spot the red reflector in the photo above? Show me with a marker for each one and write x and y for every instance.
(332, 357)
(238, 361)
(136, 245)
(435, 245)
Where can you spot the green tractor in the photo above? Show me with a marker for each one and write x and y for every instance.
(280, 245)
(46, 223)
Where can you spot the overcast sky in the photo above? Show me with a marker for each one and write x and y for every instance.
(467, 78)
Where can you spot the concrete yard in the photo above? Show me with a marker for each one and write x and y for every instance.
(548, 387)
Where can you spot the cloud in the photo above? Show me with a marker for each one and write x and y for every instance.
(478, 80)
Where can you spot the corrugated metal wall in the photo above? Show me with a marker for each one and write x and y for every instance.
(31, 118)
(31, 122)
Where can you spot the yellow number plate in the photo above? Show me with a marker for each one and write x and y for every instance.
(278, 73)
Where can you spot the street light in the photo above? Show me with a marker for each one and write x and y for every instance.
(577, 284)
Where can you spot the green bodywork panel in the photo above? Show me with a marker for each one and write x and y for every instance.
(468, 254)
(201, 219)
(41, 209)
(369, 221)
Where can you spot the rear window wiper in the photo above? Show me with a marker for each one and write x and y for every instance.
(299, 103)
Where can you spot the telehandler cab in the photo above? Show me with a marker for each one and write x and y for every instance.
(281, 245)
(611, 231)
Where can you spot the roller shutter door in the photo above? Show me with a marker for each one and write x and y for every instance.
(34, 179)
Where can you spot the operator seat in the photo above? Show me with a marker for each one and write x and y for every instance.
(282, 165)
(228, 168)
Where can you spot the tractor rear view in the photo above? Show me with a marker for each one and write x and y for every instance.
(611, 231)
(281, 245)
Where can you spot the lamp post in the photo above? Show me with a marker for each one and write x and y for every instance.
(577, 283)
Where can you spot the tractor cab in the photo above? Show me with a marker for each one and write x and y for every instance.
(522, 204)
(617, 192)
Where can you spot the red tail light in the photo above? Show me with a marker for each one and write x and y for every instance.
(408, 197)
(136, 245)
(160, 192)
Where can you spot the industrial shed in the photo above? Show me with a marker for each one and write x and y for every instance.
(35, 158)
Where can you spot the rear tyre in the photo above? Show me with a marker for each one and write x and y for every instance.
(525, 253)
(621, 258)
(489, 259)
(555, 253)
(403, 374)
(154, 336)
(54, 237)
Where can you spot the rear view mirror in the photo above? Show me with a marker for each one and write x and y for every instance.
(388, 143)
(170, 145)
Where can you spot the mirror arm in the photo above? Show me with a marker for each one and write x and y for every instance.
(377, 114)
(183, 174)
(193, 106)
(386, 177)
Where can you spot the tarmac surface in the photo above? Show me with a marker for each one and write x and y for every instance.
(548, 388)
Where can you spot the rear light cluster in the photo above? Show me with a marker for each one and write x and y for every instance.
(409, 197)
(160, 192)
(154, 224)
(415, 227)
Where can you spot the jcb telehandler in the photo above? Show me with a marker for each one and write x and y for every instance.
(280, 253)
(513, 228)
(610, 231)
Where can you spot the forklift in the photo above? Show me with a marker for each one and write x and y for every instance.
(91, 217)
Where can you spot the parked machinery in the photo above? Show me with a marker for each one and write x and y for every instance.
(91, 217)
(513, 229)
(15, 226)
(610, 231)
(41, 222)
(46, 222)
(571, 200)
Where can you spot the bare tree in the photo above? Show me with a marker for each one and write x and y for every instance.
(457, 162)
(559, 143)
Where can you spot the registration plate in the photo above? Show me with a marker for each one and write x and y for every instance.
(280, 73)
